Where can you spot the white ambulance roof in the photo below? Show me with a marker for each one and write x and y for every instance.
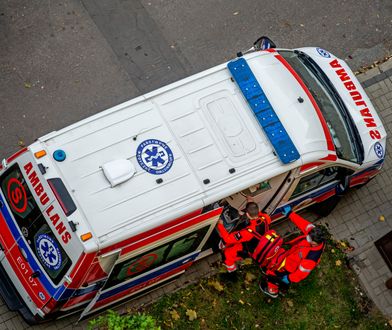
(210, 129)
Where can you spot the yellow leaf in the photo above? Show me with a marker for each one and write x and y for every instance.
(343, 244)
(247, 261)
(241, 302)
(338, 263)
(174, 315)
(216, 285)
(192, 315)
(333, 250)
(381, 218)
(249, 277)
(290, 303)
(27, 85)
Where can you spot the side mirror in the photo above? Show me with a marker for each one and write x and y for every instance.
(264, 43)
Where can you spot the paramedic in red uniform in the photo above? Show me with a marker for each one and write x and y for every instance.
(295, 264)
(239, 242)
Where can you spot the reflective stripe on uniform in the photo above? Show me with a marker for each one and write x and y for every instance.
(309, 227)
(282, 264)
(303, 269)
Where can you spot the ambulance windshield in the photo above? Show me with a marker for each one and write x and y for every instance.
(343, 131)
(33, 226)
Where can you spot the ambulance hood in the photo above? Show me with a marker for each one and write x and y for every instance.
(362, 111)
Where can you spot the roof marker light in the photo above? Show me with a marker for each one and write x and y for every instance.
(85, 237)
(40, 154)
(59, 155)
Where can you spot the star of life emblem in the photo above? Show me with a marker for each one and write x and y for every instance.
(323, 52)
(48, 251)
(379, 150)
(154, 156)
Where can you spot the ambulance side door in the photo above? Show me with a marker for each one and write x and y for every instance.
(314, 186)
(164, 256)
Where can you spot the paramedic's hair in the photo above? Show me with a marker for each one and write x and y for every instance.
(252, 209)
(317, 235)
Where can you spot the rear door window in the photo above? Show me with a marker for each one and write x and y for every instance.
(33, 226)
(315, 180)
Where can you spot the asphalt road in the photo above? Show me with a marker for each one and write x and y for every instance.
(61, 61)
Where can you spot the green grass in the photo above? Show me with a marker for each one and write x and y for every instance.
(329, 298)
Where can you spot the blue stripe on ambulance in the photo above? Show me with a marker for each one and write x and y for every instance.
(68, 293)
(53, 291)
(262, 109)
(368, 169)
(149, 276)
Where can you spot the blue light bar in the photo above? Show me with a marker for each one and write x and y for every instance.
(265, 114)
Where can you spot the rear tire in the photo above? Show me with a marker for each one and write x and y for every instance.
(326, 207)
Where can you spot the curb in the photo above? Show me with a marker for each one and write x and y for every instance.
(377, 74)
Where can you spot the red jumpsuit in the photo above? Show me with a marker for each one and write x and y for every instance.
(234, 248)
(301, 258)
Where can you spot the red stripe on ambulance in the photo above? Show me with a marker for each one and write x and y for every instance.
(357, 98)
(151, 232)
(164, 233)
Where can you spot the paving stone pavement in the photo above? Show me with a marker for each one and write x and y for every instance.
(356, 219)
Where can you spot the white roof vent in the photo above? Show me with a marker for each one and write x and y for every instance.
(118, 171)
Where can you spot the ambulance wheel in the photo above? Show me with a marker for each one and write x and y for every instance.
(326, 207)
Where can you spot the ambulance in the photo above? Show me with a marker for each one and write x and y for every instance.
(125, 201)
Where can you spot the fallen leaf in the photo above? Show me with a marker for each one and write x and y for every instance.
(236, 13)
(27, 85)
(343, 244)
(302, 25)
(381, 218)
(192, 315)
(241, 302)
(216, 285)
(333, 250)
(247, 261)
(390, 323)
(249, 277)
(338, 263)
(174, 315)
(290, 303)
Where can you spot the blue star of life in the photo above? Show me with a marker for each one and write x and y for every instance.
(154, 156)
(48, 251)
(379, 150)
(323, 52)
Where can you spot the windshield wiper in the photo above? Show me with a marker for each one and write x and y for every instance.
(323, 78)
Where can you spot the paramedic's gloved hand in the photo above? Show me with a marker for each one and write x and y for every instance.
(287, 210)
(285, 279)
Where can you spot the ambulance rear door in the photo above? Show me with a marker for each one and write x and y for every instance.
(39, 245)
(155, 260)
